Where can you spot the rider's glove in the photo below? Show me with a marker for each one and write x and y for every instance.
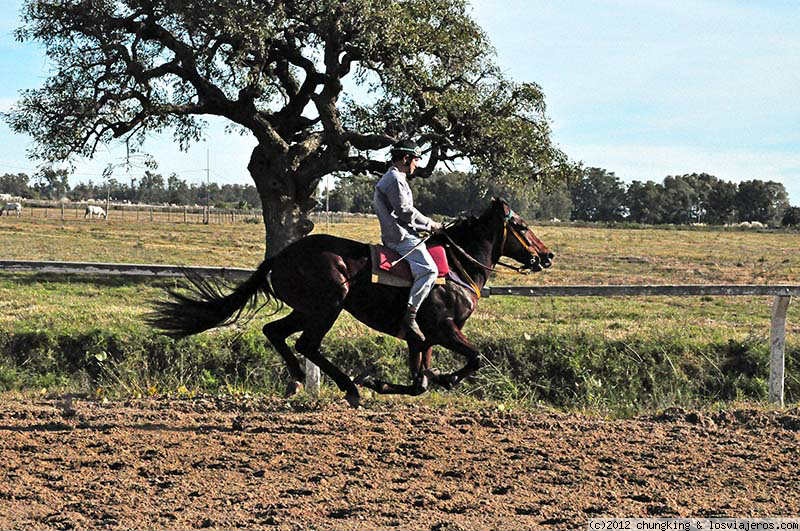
(435, 227)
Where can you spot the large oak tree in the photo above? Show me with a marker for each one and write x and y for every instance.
(323, 86)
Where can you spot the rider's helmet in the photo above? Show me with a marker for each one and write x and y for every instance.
(405, 147)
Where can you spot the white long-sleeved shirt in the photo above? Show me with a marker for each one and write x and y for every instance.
(394, 206)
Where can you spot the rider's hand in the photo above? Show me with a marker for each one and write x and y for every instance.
(435, 227)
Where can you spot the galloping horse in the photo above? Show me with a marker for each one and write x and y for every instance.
(319, 276)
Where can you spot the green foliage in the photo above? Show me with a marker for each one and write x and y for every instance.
(761, 201)
(51, 183)
(452, 194)
(791, 217)
(567, 370)
(149, 188)
(123, 69)
(598, 196)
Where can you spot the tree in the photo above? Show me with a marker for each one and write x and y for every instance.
(598, 196)
(645, 202)
(277, 69)
(791, 217)
(151, 188)
(51, 183)
(554, 203)
(16, 185)
(178, 191)
(681, 201)
(352, 194)
(721, 203)
(763, 201)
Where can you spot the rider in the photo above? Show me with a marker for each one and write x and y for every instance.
(400, 226)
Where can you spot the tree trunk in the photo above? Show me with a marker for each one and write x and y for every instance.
(284, 206)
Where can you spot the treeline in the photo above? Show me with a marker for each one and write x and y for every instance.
(149, 188)
(598, 195)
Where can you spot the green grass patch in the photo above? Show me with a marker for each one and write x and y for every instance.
(618, 354)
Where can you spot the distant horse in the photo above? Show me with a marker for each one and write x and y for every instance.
(319, 276)
(13, 207)
(93, 211)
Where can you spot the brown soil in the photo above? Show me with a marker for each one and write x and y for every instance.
(213, 463)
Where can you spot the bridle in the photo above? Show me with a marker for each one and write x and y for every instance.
(532, 248)
(508, 227)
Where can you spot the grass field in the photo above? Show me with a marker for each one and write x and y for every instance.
(618, 354)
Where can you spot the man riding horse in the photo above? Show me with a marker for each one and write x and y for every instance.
(401, 224)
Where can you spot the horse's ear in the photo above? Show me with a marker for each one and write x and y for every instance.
(501, 205)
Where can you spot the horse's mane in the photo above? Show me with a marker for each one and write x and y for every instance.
(467, 226)
(469, 221)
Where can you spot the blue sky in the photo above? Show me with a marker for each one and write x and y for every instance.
(643, 88)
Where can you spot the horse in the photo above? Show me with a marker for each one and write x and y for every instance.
(94, 211)
(13, 207)
(320, 275)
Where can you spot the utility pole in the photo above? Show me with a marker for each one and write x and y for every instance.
(208, 188)
(328, 202)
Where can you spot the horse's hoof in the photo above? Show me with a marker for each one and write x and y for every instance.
(451, 382)
(432, 374)
(447, 381)
(293, 389)
(364, 379)
(421, 383)
(353, 400)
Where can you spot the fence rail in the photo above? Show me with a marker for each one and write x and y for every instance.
(782, 296)
(129, 212)
(103, 268)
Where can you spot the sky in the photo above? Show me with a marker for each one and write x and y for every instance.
(642, 88)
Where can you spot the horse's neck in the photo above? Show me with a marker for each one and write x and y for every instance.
(480, 247)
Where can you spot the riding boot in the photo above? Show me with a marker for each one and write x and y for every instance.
(410, 323)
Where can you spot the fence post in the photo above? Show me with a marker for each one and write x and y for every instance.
(312, 379)
(777, 348)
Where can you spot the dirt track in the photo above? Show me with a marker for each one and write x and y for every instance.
(259, 464)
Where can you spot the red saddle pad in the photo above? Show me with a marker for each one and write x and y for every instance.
(386, 256)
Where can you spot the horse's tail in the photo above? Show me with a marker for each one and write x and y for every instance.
(206, 306)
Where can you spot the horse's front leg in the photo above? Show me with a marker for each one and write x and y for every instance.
(453, 339)
(419, 364)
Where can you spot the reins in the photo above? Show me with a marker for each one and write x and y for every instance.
(474, 261)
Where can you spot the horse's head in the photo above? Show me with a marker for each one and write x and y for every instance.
(518, 240)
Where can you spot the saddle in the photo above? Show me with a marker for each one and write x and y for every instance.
(400, 275)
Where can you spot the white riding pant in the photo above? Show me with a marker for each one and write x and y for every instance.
(423, 268)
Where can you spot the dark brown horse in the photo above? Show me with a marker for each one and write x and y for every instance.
(321, 275)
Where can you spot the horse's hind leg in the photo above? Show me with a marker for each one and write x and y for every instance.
(277, 332)
(308, 345)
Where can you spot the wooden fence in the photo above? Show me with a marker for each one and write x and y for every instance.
(782, 296)
(164, 214)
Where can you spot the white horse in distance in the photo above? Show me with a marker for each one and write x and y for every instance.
(13, 207)
(93, 211)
